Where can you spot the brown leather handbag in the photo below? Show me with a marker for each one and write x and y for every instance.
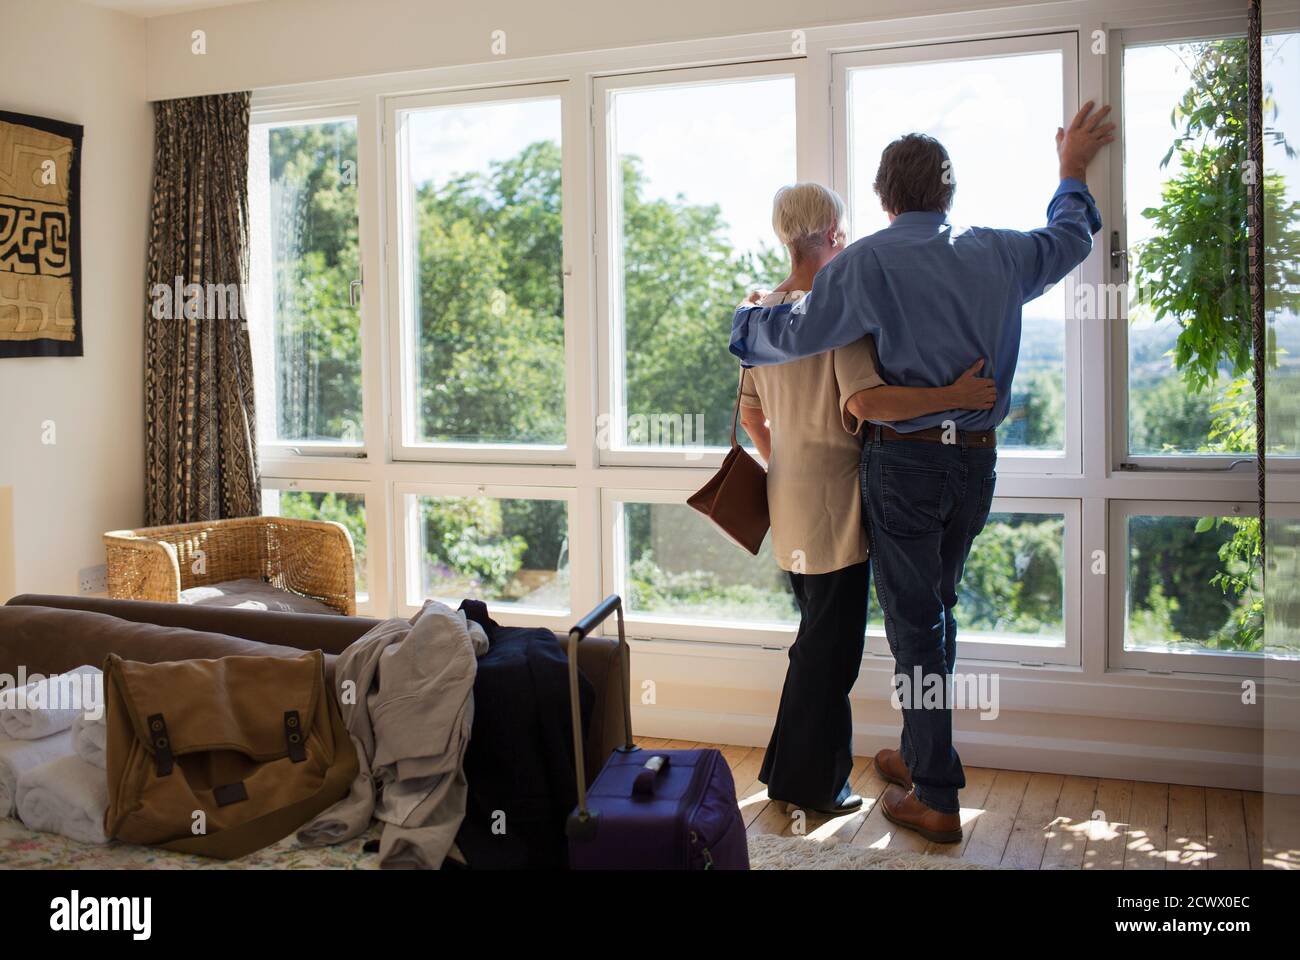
(735, 499)
(221, 757)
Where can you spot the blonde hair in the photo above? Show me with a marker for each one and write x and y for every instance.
(803, 212)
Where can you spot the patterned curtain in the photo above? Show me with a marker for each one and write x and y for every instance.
(200, 440)
(1255, 235)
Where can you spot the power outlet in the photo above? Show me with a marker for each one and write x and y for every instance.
(93, 580)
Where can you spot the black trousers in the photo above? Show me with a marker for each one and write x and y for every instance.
(810, 754)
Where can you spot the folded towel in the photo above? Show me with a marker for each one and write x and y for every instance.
(89, 737)
(49, 706)
(67, 796)
(19, 756)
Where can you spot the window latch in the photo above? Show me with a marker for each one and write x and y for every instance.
(354, 293)
(1118, 255)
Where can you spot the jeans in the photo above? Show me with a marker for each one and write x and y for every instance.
(924, 503)
(810, 754)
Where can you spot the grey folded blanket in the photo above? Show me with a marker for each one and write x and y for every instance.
(407, 696)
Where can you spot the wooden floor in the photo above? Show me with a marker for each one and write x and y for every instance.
(1046, 821)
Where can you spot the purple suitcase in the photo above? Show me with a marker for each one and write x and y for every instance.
(650, 809)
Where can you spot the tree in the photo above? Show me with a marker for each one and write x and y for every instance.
(315, 254)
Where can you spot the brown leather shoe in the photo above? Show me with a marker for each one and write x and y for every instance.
(889, 764)
(905, 809)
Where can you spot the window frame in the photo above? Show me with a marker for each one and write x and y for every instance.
(1173, 661)
(309, 115)
(1066, 42)
(1100, 688)
(403, 379)
(658, 626)
(1114, 238)
(607, 251)
(982, 645)
(408, 574)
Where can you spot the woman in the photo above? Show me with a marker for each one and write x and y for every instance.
(797, 415)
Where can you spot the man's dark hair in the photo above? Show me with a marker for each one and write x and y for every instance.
(915, 174)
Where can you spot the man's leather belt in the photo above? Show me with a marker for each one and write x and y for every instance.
(958, 438)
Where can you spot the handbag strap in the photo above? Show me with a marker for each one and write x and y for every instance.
(735, 414)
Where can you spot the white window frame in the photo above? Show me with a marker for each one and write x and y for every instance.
(1096, 687)
(1070, 459)
(1026, 650)
(403, 380)
(659, 626)
(375, 601)
(408, 542)
(270, 448)
(1176, 661)
(1114, 236)
(607, 258)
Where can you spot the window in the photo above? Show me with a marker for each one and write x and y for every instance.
(675, 568)
(304, 319)
(561, 256)
(508, 551)
(1011, 603)
(1281, 62)
(992, 105)
(1187, 588)
(349, 509)
(687, 234)
(1188, 337)
(482, 291)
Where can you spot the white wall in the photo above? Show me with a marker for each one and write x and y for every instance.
(296, 41)
(69, 61)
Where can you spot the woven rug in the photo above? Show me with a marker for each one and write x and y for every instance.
(768, 852)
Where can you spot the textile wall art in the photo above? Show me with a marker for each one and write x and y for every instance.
(40, 237)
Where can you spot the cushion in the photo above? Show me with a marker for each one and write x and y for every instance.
(253, 595)
(45, 640)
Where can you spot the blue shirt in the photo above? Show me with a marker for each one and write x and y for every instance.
(935, 297)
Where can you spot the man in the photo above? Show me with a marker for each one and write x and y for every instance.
(933, 296)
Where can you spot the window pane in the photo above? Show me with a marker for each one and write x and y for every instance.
(692, 231)
(1190, 588)
(1013, 586)
(1185, 214)
(1281, 56)
(990, 114)
(348, 509)
(484, 289)
(502, 551)
(306, 337)
(676, 565)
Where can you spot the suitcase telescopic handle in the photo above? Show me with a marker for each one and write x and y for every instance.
(577, 633)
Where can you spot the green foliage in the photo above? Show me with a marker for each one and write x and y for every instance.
(315, 254)
(1012, 579)
(490, 294)
(464, 538)
(1193, 270)
(1166, 417)
(652, 589)
(681, 282)
(1037, 421)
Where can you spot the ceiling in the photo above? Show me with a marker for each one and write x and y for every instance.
(158, 8)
